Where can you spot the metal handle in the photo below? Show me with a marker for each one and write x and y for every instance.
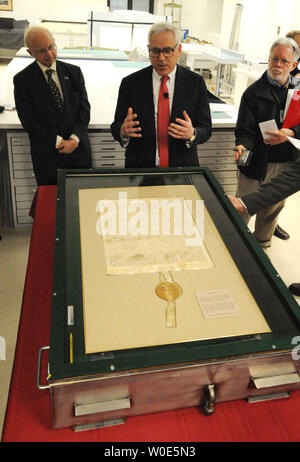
(209, 399)
(38, 372)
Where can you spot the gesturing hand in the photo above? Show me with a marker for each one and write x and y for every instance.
(183, 129)
(130, 127)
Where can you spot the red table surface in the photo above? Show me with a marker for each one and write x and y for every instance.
(28, 409)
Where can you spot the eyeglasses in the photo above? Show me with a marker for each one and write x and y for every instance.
(168, 52)
(276, 60)
(42, 51)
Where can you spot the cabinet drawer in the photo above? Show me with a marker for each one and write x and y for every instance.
(108, 155)
(222, 136)
(24, 220)
(217, 145)
(22, 212)
(101, 138)
(206, 151)
(20, 150)
(24, 174)
(20, 141)
(221, 168)
(25, 157)
(108, 147)
(23, 205)
(225, 179)
(17, 166)
(25, 182)
(26, 189)
(213, 160)
(25, 196)
(118, 163)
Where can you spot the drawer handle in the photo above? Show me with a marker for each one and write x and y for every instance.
(209, 399)
(272, 381)
(38, 372)
(102, 406)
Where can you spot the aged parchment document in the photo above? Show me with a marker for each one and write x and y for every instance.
(125, 304)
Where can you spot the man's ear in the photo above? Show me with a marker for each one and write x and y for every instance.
(295, 64)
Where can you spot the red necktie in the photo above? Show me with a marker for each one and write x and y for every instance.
(163, 120)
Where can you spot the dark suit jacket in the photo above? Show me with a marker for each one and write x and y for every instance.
(40, 118)
(190, 94)
(258, 104)
(275, 190)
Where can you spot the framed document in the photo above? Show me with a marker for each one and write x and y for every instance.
(160, 294)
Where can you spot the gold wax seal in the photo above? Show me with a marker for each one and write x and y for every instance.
(168, 290)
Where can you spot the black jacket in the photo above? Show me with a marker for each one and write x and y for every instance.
(40, 118)
(190, 94)
(259, 104)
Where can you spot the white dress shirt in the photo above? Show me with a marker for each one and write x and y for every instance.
(156, 82)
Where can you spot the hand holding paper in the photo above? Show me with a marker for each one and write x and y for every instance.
(267, 127)
(281, 136)
(271, 135)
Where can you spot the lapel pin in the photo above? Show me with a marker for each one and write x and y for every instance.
(66, 77)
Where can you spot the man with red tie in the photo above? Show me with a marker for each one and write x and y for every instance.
(162, 111)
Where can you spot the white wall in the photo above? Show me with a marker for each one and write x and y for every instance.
(262, 22)
(210, 20)
(203, 18)
(61, 10)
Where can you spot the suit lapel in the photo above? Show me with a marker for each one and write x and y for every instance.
(63, 78)
(178, 95)
(40, 82)
(146, 95)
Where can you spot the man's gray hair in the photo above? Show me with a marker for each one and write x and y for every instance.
(287, 42)
(164, 27)
(32, 31)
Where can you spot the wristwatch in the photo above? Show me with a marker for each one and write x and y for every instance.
(192, 138)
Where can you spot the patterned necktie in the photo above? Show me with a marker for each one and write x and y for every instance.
(55, 91)
(163, 120)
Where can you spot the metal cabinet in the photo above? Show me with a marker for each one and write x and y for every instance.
(22, 179)
(218, 156)
(106, 152)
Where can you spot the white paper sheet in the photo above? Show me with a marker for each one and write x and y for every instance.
(295, 142)
(58, 140)
(267, 126)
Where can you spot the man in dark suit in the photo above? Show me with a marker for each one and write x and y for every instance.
(135, 123)
(275, 190)
(53, 107)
